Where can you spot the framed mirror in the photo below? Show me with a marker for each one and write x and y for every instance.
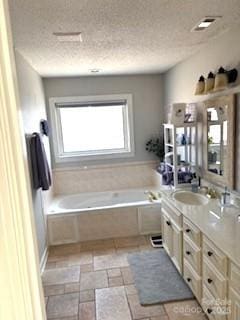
(218, 140)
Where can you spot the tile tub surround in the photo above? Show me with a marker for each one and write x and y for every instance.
(101, 224)
(105, 289)
(104, 178)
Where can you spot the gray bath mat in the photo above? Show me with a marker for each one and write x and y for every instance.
(156, 278)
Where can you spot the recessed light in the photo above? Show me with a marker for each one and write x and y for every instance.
(205, 23)
(68, 36)
(94, 70)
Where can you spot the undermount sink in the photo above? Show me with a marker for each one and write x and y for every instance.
(190, 198)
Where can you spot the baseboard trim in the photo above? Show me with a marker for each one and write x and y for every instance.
(44, 260)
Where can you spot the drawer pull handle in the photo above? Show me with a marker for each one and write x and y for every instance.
(209, 280)
(209, 310)
(168, 223)
(210, 253)
(189, 279)
(188, 253)
(188, 230)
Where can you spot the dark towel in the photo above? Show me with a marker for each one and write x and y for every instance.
(40, 168)
(44, 128)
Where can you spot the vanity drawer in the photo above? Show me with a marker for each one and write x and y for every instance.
(234, 277)
(193, 280)
(234, 300)
(175, 215)
(210, 307)
(214, 281)
(215, 256)
(192, 232)
(192, 254)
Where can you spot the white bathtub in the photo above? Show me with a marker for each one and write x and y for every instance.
(100, 200)
(101, 215)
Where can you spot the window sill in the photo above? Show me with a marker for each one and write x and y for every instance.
(73, 158)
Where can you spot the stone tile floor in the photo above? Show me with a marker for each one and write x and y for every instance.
(93, 281)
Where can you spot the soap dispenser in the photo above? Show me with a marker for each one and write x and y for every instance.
(225, 198)
(194, 184)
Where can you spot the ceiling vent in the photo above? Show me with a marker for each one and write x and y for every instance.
(205, 23)
(94, 70)
(68, 36)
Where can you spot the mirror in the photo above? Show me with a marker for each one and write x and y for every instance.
(218, 140)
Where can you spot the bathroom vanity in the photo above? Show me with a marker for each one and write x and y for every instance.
(203, 240)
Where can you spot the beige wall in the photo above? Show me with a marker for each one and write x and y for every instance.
(180, 81)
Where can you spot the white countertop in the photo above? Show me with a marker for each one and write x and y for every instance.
(220, 225)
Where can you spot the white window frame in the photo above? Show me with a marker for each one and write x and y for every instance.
(57, 141)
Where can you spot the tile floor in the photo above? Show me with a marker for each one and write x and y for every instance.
(93, 281)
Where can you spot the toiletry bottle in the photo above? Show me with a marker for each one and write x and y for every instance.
(183, 139)
(194, 185)
(225, 197)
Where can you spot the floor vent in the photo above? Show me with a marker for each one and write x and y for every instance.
(156, 241)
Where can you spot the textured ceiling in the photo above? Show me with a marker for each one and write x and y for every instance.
(119, 36)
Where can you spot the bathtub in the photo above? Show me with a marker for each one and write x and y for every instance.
(100, 200)
(101, 215)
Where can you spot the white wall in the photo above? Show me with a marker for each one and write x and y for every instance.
(180, 81)
(32, 111)
(147, 91)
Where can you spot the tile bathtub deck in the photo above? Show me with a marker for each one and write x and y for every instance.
(93, 281)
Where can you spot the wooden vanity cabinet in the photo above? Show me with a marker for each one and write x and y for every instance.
(234, 297)
(167, 233)
(210, 274)
(214, 256)
(177, 246)
(172, 234)
(234, 292)
(192, 259)
(192, 232)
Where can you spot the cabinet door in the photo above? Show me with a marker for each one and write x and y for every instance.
(177, 246)
(167, 234)
(234, 305)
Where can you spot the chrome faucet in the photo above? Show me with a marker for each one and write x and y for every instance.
(152, 195)
(211, 193)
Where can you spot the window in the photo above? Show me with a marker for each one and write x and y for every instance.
(92, 127)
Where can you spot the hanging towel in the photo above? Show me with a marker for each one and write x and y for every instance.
(40, 168)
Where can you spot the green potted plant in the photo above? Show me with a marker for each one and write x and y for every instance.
(210, 140)
(155, 145)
